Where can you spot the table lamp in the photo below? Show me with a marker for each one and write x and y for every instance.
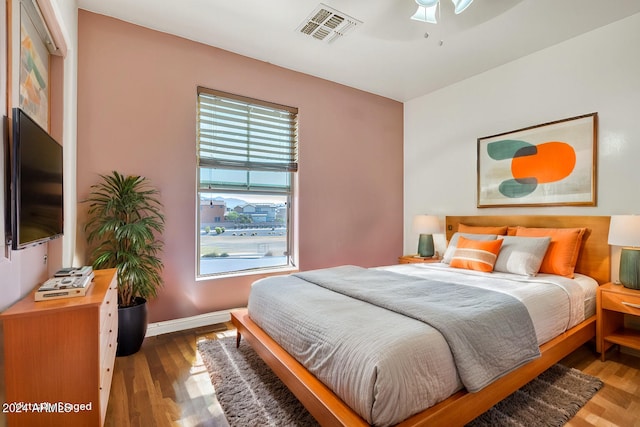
(624, 230)
(426, 225)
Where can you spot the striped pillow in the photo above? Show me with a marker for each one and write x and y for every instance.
(453, 243)
(476, 254)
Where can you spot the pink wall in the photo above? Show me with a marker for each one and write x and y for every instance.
(136, 114)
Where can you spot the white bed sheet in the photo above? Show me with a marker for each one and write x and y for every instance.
(551, 315)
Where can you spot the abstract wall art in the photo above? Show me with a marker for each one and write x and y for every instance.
(544, 165)
(34, 70)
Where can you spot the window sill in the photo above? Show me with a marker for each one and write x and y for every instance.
(259, 273)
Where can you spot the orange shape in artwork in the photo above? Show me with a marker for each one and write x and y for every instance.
(552, 161)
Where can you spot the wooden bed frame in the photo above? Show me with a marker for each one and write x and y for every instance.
(462, 407)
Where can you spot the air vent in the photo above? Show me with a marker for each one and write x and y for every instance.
(327, 24)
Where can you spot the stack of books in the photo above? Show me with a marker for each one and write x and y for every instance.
(66, 283)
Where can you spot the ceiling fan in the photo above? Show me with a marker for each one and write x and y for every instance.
(427, 9)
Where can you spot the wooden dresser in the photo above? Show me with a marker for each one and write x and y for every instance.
(59, 357)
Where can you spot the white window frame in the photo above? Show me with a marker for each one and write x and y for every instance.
(224, 154)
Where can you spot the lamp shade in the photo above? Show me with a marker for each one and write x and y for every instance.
(624, 230)
(426, 224)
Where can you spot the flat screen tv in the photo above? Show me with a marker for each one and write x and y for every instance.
(36, 184)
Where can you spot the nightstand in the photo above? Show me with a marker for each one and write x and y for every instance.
(413, 259)
(613, 302)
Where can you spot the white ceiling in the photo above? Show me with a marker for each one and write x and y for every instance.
(388, 54)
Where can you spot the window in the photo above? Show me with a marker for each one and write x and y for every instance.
(247, 160)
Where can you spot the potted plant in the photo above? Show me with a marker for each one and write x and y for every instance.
(124, 223)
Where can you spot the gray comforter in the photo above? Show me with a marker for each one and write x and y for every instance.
(387, 362)
(489, 333)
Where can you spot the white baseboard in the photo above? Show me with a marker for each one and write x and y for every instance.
(184, 323)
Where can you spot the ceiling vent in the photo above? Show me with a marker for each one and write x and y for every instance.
(327, 24)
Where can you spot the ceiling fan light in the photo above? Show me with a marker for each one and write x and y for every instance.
(426, 14)
(460, 5)
(427, 3)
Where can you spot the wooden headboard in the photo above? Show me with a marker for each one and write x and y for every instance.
(594, 259)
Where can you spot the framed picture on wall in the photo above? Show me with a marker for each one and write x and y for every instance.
(544, 165)
(34, 67)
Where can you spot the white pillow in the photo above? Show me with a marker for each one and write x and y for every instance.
(448, 253)
(521, 255)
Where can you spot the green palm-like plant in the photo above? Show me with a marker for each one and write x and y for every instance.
(124, 219)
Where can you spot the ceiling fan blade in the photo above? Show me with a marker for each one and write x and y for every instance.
(461, 5)
(426, 14)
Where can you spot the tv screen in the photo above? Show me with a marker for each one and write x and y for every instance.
(36, 184)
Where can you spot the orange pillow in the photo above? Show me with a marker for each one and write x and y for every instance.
(563, 251)
(478, 255)
(474, 229)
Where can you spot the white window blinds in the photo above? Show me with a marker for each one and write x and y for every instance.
(241, 133)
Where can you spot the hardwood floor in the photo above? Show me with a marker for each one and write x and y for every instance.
(618, 402)
(166, 384)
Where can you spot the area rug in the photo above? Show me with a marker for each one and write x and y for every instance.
(251, 395)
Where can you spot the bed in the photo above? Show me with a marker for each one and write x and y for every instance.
(456, 406)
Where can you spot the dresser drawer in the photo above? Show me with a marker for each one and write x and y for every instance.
(107, 360)
(109, 307)
(108, 316)
(109, 333)
(108, 345)
(620, 302)
(108, 341)
(106, 374)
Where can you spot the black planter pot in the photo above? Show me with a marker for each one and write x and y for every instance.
(132, 327)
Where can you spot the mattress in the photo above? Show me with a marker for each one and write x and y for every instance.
(382, 364)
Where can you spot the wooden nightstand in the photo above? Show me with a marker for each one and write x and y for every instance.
(613, 302)
(412, 259)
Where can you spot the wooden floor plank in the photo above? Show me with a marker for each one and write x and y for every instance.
(166, 384)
